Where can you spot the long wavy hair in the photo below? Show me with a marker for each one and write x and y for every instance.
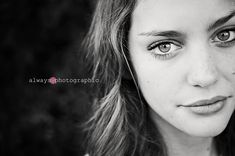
(120, 124)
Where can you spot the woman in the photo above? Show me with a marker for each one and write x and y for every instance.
(166, 72)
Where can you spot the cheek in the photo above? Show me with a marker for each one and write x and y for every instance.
(157, 92)
(227, 68)
(232, 70)
(159, 86)
(160, 96)
(159, 81)
(225, 62)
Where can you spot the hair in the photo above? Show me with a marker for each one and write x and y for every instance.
(120, 124)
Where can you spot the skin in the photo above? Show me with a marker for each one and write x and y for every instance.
(200, 67)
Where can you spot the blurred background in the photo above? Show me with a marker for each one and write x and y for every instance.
(41, 39)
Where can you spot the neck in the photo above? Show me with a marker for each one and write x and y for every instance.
(181, 144)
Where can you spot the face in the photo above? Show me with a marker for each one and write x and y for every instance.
(183, 54)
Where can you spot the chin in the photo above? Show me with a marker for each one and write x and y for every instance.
(208, 132)
(205, 129)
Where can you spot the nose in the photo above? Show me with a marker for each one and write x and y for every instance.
(203, 72)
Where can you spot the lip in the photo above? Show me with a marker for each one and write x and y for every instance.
(206, 102)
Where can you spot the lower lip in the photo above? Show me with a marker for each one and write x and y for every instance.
(208, 109)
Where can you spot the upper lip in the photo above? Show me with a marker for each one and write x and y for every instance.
(205, 102)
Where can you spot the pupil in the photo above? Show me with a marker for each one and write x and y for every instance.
(165, 47)
(223, 36)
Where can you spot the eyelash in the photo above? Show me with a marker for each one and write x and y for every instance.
(169, 55)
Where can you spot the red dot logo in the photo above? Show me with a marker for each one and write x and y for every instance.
(52, 80)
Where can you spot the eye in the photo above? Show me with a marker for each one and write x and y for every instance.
(225, 38)
(164, 49)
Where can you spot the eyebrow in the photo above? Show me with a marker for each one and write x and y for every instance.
(169, 33)
(221, 21)
(172, 33)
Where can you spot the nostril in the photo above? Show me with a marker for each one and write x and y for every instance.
(197, 85)
(202, 80)
(203, 84)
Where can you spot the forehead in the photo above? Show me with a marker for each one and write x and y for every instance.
(179, 13)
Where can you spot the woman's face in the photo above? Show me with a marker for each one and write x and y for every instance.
(183, 53)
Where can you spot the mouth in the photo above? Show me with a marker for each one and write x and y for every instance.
(207, 102)
(207, 106)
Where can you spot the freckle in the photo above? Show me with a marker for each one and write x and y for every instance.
(233, 73)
